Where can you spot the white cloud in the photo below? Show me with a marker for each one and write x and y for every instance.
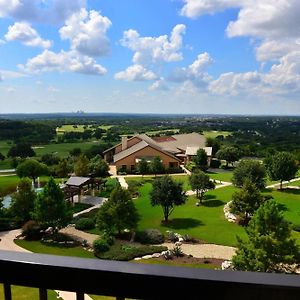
(135, 73)
(154, 49)
(2, 42)
(87, 33)
(5, 74)
(43, 11)
(70, 61)
(159, 85)
(24, 33)
(52, 89)
(194, 73)
(10, 89)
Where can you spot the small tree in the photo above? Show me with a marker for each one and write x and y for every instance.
(143, 166)
(32, 169)
(21, 150)
(230, 154)
(118, 213)
(246, 201)
(214, 143)
(281, 166)
(157, 166)
(201, 183)
(98, 166)
(2, 157)
(168, 194)
(51, 208)
(81, 167)
(200, 160)
(250, 170)
(63, 169)
(22, 204)
(75, 152)
(269, 242)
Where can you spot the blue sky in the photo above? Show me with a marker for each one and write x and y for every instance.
(158, 56)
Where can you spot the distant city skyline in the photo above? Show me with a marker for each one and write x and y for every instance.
(133, 56)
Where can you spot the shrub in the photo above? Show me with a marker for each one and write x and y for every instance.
(100, 246)
(149, 236)
(85, 224)
(31, 230)
(177, 251)
(172, 236)
(215, 163)
(7, 224)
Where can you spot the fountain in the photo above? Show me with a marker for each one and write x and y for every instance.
(32, 185)
(38, 183)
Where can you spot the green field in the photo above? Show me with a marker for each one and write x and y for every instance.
(213, 133)
(154, 132)
(78, 128)
(295, 183)
(4, 147)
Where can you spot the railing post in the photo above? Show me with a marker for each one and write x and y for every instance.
(79, 296)
(7, 291)
(43, 294)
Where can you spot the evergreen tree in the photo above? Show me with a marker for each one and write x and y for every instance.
(281, 166)
(22, 204)
(81, 167)
(201, 183)
(143, 166)
(200, 160)
(157, 166)
(63, 169)
(51, 208)
(269, 243)
(118, 213)
(168, 194)
(98, 166)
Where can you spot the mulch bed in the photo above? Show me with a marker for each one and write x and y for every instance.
(187, 259)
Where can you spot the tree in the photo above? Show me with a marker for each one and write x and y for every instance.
(21, 150)
(143, 166)
(281, 166)
(230, 154)
(246, 201)
(50, 159)
(22, 204)
(168, 194)
(157, 166)
(63, 169)
(118, 213)
(81, 167)
(98, 133)
(2, 157)
(51, 208)
(201, 183)
(32, 169)
(200, 160)
(98, 166)
(250, 170)
(269, 242)
(214, 143)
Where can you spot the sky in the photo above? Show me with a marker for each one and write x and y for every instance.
(158, 56)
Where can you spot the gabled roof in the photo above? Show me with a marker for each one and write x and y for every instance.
(137, 135)
(192, 150)
(77, 181)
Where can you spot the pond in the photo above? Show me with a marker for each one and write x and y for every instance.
(7, 199)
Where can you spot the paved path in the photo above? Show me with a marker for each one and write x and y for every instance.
(96, 201)
(283, 183)
(123, 182)
(206, 250)
(7, 243)
(79, 235)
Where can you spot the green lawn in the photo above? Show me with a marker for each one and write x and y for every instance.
(206, 222)
(213, 133)
(153, 132)
(38, 247)
(24, 293)
(5, 146)
(79, 128)
(224, 176)
(295, 183)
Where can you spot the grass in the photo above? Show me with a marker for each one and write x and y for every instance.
(295, 183)
(154, 132)
(5, 146)
(80, 207)
(38, 247)
(224, 176)
(206, 222)
(79, 128)
(25, 293)
(213, 133)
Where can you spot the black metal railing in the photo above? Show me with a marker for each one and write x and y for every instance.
(138, 281)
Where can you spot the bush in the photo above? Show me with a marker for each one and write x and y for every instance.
(7, 224)
(150, 236)
(128, 252)
(172, 236)
(31, 230)
(100, 246)
(177, 251)
(85, 224)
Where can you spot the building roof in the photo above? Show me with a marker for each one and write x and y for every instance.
(77, 181)
(192, 150)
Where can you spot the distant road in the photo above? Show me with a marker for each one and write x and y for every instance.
(8, 171)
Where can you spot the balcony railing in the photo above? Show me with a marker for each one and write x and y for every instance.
(138, 281)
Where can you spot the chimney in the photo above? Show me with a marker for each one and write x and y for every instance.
(124, 142)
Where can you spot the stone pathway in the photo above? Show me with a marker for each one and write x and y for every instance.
(122, 182)
(96, 201)
(206, 250)
(7, 243)
(79, 235)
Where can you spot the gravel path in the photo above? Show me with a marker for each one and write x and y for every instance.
(79, 235)
(206, 250)
(283, 183)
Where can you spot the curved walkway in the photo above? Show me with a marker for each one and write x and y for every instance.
(7, 243)
(283, 183)
(206, 250)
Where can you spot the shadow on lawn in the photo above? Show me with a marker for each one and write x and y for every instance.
(213, 203)
(183, 223)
